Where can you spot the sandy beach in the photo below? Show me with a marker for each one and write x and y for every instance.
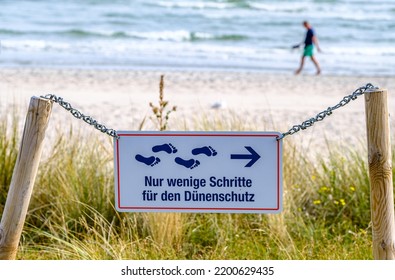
(237, 100)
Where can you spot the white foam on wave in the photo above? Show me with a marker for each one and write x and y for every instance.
(34, 45)
(166, 35)
(194, 4)
(276, 7)
(362, 51)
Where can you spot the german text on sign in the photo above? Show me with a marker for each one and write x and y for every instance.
(228, 172)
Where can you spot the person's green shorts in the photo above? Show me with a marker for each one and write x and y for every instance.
(308, 50)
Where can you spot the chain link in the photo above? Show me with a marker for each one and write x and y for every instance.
(296, 128)
(320, 116)
(77, 114)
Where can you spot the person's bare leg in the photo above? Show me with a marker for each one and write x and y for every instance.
(317, 65)
(301, 66)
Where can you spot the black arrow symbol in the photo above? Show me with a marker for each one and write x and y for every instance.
(253, 156)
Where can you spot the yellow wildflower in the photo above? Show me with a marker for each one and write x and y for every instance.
(324, 189)
(362, 231)
(313, 177)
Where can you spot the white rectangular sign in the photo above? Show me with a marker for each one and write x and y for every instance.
(223, 172)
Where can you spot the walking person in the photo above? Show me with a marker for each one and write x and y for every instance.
(309, 43)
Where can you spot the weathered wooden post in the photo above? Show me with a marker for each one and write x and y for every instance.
(23, 177)
(380, 172)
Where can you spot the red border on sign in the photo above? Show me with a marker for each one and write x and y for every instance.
(200, 208)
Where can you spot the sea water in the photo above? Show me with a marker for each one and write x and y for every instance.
(357, 37)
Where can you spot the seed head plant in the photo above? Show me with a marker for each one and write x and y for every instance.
(161, 114)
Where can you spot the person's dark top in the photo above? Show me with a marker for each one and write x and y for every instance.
(309, 37)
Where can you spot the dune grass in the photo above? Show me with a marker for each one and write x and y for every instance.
(71, 215)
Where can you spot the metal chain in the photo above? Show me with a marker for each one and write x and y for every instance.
(327, 112)
(296, 128)
(89, 120)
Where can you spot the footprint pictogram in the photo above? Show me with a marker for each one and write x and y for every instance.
(152, 161)
(190, 163)
(206, 150)
(171, 149)
(168, 148)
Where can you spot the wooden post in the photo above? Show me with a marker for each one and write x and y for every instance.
(23, 177)
(380, 172)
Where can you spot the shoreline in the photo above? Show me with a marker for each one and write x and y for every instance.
(205, 100)
(310, 71)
